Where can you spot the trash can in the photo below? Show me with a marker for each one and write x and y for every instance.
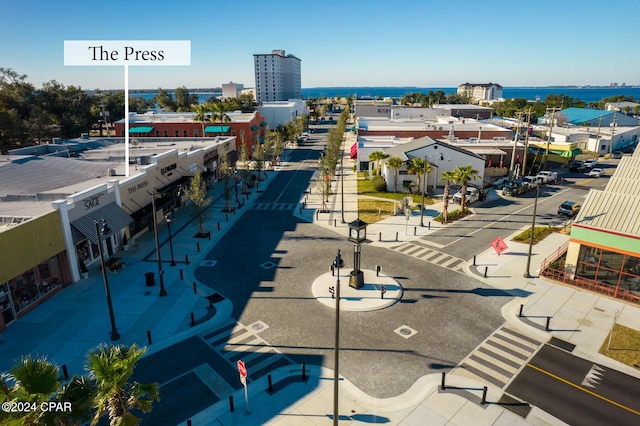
(150, 278)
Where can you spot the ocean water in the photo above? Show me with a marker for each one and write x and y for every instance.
(586, 94)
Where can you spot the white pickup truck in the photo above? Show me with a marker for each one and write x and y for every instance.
(547, 176)
(473, 194)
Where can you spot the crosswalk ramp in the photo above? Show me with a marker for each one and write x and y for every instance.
(274, 206)
(499, 357)
(432, 256)
(234, 342)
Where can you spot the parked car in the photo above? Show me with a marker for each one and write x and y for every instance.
(577, 166)
(532, 182)
(590, 164)
(547, 176)
(616, 155)
(569, 208)
(596, 172)
(514, 189)
(473, 194)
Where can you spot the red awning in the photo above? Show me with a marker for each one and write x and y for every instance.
(354, 151)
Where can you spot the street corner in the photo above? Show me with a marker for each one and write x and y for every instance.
(378, 292)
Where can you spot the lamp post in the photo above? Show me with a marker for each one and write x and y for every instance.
(337, 263)
(163, 291)
(424, 181)
(169, 217)
(357, 235)
(235, 183)
(533, 228)
(103, 230)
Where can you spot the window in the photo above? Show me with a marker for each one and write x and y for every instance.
(185, 133)
(195, 133)
(176, 133)
(157, 133)
(166, 133)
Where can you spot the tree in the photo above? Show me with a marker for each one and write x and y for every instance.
(202, 114)
(111, 368)
(419, 167)
(219, 114)
(463, 175)
(183, 99)
(395, 163)
(197, 194)
(448, 177)
(226, 172)
(378, 156)
(164, 100)
(243, 159)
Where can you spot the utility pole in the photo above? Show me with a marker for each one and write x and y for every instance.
(553, 111)
(613, 131)
(595, 151)
(526, 143)
(513, 151)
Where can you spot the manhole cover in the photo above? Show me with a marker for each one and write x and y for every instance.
(405, 331)
(257, 327)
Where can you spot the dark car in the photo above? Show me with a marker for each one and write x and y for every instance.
(514, 189)
(577, 166)
(569, 208)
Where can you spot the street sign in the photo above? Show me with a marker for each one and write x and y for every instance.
(499, 245)
(242, 369)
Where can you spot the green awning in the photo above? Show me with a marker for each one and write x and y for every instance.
(217, 129)
(566, 153)
(263, 123)
(141, 129)
(254, 127)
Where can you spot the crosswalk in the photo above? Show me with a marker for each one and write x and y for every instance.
(431, 255)
(274, 206)
(235, 341)
(499, 357)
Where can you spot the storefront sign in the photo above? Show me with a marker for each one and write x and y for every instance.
(138, 187)
(167, 169)
(92, 202)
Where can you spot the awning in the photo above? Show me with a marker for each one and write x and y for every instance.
(486, 151)
(254, 127)
(217, 129)
(141, 129)
(566, 153)
(116, 218)
(354, 151)
(263, 123)
(260, 139)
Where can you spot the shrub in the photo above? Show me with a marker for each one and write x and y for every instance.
(453, 215)
(379, 184)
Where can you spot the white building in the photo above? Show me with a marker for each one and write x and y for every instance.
(278, 77)
(481, 92)
(278, 113)
(232, 90)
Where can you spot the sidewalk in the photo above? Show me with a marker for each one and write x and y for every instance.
(76, 319)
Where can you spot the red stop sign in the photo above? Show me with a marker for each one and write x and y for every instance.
(242, 369)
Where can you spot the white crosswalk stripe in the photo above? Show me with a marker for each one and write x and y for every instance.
(274, 206)
(499, 357)
(432, 256)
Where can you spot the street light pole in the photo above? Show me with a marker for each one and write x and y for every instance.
(163, 291)
(337, 263)
(99, 234)
(424, 181)
(169, 217)
(533, 228)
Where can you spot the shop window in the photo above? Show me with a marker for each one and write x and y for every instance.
(185, 133)
(157, 133)
(165, 133)
(176, 133)
(34, 284)
(195, 133)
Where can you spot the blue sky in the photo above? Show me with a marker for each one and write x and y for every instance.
(352, 43)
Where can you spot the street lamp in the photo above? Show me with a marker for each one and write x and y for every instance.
(163, 291)
(103, 230)
(357, 235)
(337, 263)
(169, 217)
(533, 228)
(424, 182)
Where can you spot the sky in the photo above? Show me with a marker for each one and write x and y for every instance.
(421, 43)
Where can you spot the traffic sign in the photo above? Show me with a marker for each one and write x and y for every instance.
(242, 369)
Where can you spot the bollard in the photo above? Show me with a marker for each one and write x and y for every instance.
(443, 386)
(332, 270)
(335, 222)
(181, 275)
(234, 209)
(317, 211)
(379, 236)
(414, 231)
(485, 271)
(231, 403)
(209, 235)
(193, 320)
(149, 336)
(189, 422)
(332, 290)
(195, 290)
(429, 226)
(474, 260)
(198, 247)
(520, 313)
(270, 390)
(218, 226)
(383, 290)
(304, 372)
(377, 270)
(65, 373)
(546, 327)
(186, 258)
(396, 236)
(300, 209)
(484, 396)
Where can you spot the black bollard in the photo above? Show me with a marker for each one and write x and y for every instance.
(270, 390)
(198, 247)
(485, 271)
(65, 373)
(474, 260)
(520, 313)
(396, 236)
(186, 258)
(377, 270)
(484, 396)
(195, 290)
(149, 336)
(429, 226)
(218, 226)
(193, 320)
(304, 372)
(181, 275)
(546, 327)
(209, 235)
(383, 290)
(189, 422)
(332, 271)
(335, 222)
(231, 403)
(379, 236)
(234, 209)
(443, 386)
(414, 231)
(317, 212)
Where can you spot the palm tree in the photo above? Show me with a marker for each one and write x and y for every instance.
(378, 156)
(202, 114)
(395, 163)
(447, 176)
(111, 367)
(219, 114)
(420, 167)
(464, 174)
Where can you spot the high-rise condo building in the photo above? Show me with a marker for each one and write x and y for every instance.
(277, 77)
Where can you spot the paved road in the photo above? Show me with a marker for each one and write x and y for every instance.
(578, 391)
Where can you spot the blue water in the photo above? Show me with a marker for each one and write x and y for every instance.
(586, 94)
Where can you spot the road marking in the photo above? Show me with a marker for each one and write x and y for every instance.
(593, 377)
(617, 404)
